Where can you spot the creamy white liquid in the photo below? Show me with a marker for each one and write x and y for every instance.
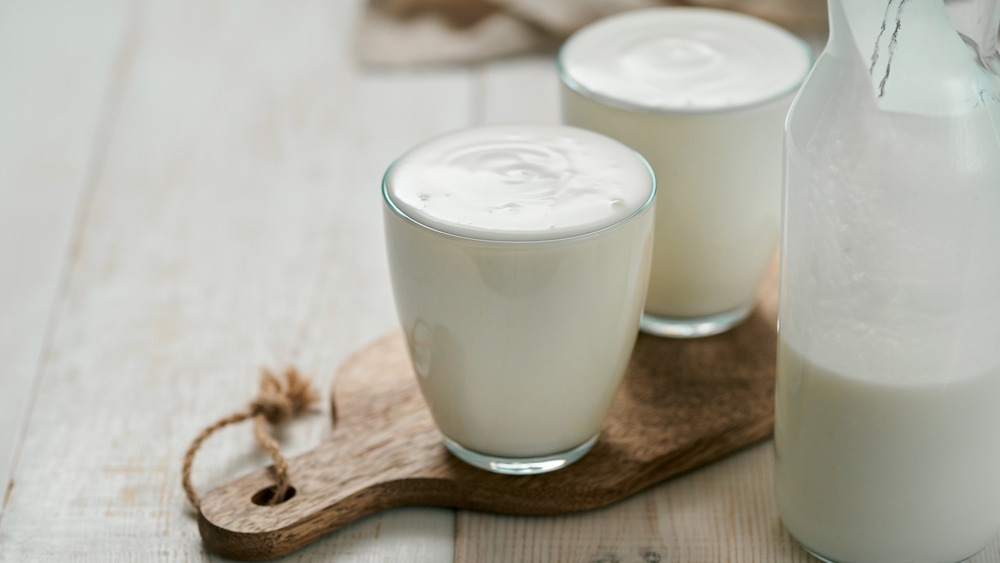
(702, 94)
(684, 59)
(519, 183)
(869, 470)
(520, 320)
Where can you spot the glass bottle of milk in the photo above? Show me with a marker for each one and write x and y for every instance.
(887, 436)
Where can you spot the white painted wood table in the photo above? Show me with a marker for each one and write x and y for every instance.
(189, 190)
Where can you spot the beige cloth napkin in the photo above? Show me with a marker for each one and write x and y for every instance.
(419, 32)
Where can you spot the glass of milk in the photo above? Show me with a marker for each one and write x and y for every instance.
(703, 95)
(520, 259)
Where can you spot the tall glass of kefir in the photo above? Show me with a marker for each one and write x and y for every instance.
(520, 259)
(703, 95)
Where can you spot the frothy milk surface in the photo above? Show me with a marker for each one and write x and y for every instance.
(519, 183)
(684, 59)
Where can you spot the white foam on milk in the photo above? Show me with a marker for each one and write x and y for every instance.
(519, 183)
(684, 59)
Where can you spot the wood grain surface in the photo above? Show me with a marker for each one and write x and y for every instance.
(683, 403)
(53, 100)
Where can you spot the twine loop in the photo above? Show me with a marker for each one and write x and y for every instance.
(279, 400)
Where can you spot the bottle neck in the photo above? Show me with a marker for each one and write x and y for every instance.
(913, 56)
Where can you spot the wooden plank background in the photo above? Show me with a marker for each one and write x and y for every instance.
(190, 190)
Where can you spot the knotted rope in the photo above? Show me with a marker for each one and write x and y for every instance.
(280, 399)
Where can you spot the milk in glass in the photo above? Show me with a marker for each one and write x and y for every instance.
(520, 259)
(702, 94)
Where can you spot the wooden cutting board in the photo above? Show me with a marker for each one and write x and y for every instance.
(683, 403)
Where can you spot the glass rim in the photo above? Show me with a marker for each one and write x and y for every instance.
(567, 79)
(387, 200)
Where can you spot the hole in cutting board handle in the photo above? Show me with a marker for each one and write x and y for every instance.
(263, 497)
